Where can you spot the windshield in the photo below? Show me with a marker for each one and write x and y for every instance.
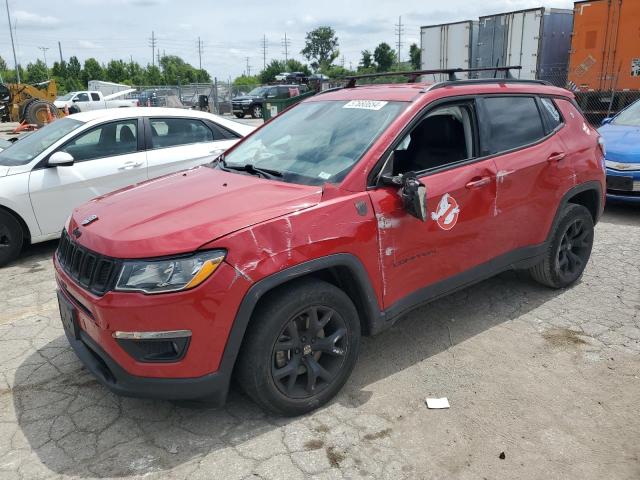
(66, 97)
(316, 142)
(28, 148)
(630, 116)
(258, 91)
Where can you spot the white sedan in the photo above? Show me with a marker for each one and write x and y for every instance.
(45, 175)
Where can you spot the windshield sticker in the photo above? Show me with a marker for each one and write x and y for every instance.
(446, 215)
(324, 175)
(366, 104)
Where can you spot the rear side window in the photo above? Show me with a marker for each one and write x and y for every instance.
(513, 122)
(170, 132)
(551, 113)
(95, 97)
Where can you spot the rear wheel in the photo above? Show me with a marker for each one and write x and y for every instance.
(11, 238)
(256, 111)
(300, 348)
(569, 249)
(37, 112)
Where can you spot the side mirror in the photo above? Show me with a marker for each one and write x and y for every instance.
(74, 100)
(412, 191)
(606, 121)
(60, 159)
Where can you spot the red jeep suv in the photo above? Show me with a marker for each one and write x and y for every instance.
(327, 223)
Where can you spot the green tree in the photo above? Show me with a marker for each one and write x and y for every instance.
(92, 70)
(3, 65)
(177, 71)
(384, 56)
(367, 60)
(153, 75)
(245, 83)
(276, 67)
(415, 54)
(116, 71)
(74, 69)
(37, 72)
(321, 47)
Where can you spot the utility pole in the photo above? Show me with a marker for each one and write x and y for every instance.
(153, 41)
(60, 50)
(200, 47)
(399, 32)
(286, 43)
(13, 47)
(248, 68)
(264, 52)
(44, 52)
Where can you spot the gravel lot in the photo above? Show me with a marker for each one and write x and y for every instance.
(550, 378)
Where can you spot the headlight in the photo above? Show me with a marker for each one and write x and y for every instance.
(170, 275)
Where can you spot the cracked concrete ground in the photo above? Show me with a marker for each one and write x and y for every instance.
(550, 378)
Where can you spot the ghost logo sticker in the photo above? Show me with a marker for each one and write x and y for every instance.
(446, 215)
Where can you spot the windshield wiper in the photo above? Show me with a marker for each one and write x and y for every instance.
(249, 168)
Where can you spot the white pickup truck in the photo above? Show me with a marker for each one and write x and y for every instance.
(85, 101)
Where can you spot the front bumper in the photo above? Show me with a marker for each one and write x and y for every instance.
(623, 185)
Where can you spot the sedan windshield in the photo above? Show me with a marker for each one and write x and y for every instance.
(315, 142)
(28, 148)
(629, 117)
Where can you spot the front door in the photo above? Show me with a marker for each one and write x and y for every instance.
(457, 235)
(180, 143)
(106, 158)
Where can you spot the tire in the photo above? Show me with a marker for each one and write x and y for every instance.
(256, 111)
(279, 380)
(569, 250)
(11, 238)
(239, 115)
(23, 106)
(36, 112)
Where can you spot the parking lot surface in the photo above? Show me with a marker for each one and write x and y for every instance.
(542, 384)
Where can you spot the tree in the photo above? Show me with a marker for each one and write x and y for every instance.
(92, 70)
(384, 56)
(37, 72)
(153, 75)
(367, 59)
(74, 69)
(276, 67)
(415, 54)
(321, 47)
(116, 71)
(3, 65)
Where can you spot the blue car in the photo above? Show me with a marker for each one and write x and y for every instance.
(622, 142)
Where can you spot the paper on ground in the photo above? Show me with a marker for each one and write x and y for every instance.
(437, 402)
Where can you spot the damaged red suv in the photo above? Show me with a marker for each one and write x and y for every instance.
(326, 224)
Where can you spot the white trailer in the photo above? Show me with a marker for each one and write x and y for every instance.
(448, 45)
(106, 88)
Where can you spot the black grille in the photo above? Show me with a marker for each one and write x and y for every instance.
(90, 270)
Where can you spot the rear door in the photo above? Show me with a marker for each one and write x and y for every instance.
(531, 163)
(106, 157)
(175, 144)
(458, 235)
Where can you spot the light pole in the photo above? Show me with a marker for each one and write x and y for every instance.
(13, 47)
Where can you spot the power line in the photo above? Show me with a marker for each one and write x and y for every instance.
(200, 47)
(248, 68)
(44, 52)
(60, 50)
(13, 47)
(153, 42)
(286, 43)
(399, 32)
(264, 52)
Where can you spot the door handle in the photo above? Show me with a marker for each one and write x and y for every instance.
(129, 165)
(478, 182)
(556, 157)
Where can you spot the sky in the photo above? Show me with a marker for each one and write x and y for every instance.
(230, 31)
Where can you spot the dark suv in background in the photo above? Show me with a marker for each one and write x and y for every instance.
(251, 103)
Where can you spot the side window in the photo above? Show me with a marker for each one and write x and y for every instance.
(82, 97)
(108, 140)
(171, 132)
(95, 97)
(512, 122)
(551, 114)
(445, 136)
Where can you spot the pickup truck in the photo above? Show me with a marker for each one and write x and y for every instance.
(84, 101)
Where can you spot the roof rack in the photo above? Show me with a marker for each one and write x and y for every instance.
(476, 81)
(451, 72)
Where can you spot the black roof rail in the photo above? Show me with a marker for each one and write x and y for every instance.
(413, 75)
(477, 81)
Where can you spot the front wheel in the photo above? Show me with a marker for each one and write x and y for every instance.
(256, 111)
(11, 238)
(300, 349)
(569, 250)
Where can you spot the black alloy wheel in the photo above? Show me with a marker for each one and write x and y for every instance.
(574, 250)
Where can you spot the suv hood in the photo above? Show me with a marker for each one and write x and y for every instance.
(246, 97)
(181, 212)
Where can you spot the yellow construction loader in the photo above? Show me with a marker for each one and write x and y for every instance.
(29, 104)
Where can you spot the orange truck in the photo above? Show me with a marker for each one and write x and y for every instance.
(605, 47)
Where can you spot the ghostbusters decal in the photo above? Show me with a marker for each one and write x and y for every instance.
(446, 214)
